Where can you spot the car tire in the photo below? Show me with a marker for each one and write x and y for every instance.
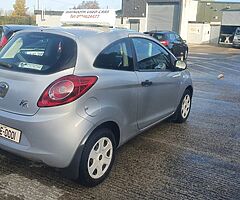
(183, 109)
(97, 157)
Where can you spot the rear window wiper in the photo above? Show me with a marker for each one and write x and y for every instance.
(4, 64)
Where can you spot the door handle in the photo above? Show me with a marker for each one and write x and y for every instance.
(146, 83)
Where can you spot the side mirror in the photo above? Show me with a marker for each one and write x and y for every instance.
(180, 65)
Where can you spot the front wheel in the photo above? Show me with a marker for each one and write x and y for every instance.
(184, 108)
(97, 158)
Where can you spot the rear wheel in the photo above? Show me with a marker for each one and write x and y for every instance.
(184, 108)
(97, 158)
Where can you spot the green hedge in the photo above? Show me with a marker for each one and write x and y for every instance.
(17, 20)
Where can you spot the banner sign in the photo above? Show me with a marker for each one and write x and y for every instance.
(105, 17)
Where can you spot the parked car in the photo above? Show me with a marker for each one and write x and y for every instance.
(236, 38)
(172, 41)
(70, 97)
(6, 31)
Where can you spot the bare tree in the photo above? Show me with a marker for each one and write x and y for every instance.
(88, 5)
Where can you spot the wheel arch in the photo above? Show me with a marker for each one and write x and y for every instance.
(190, 88)
(72, 171)
(114, 128)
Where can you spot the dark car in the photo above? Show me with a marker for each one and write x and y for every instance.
(172, 41)
(6, 31)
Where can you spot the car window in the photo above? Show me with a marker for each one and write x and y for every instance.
(172, 37)
(178, 38)
(151, 56)
(41, 53)
(159, 36)
(117, 56)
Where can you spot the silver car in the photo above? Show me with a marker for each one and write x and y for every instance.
(70, 96)
(236, 38)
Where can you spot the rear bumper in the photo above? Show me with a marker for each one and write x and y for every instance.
(50, 138)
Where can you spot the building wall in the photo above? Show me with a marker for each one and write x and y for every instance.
(198, 33)
(209, 11)
(188, 13)
(214, 33)
(134, 8)
(138, 9)
(125, 23)
(49, 20)
(193, 8)
(231, 18)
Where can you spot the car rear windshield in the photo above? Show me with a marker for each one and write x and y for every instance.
(39, 53)
(159, 36)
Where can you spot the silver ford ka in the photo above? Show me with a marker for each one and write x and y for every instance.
(70, 96)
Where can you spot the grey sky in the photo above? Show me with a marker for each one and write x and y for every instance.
(59, 4)
(65, 4)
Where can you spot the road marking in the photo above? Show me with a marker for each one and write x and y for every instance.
(200, 58)
(215, 65)
(232, 64)
(219, 65)
(200, 53)
(206, 67)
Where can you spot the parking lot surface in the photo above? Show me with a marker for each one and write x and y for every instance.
(199, 159)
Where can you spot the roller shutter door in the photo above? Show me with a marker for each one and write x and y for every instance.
(231, 18)
(165, 16)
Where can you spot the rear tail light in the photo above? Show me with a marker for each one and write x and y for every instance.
(165, 42)
(3, 41)
(65, 90)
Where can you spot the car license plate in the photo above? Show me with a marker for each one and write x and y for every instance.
(10, 133)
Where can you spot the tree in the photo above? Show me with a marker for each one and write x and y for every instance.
(89, 5)
(19, 8)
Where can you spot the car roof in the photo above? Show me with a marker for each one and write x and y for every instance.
(18, 27)
(88, 32)
(161, 31)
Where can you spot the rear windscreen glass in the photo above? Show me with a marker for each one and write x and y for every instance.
(159, 36)
(39, 53)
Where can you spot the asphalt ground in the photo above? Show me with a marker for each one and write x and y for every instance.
(199, 159)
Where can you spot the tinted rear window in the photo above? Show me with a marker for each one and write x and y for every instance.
(159, 36)
(39, 53)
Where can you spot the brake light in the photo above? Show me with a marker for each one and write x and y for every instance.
(4, 41)
(165, 42)
(65, 90)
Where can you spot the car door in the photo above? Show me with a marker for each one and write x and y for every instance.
(176, 45)
(158, 82)
(119, 83)
(180, 45)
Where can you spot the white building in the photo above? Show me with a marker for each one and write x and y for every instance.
(48, 18)
(147, 15)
